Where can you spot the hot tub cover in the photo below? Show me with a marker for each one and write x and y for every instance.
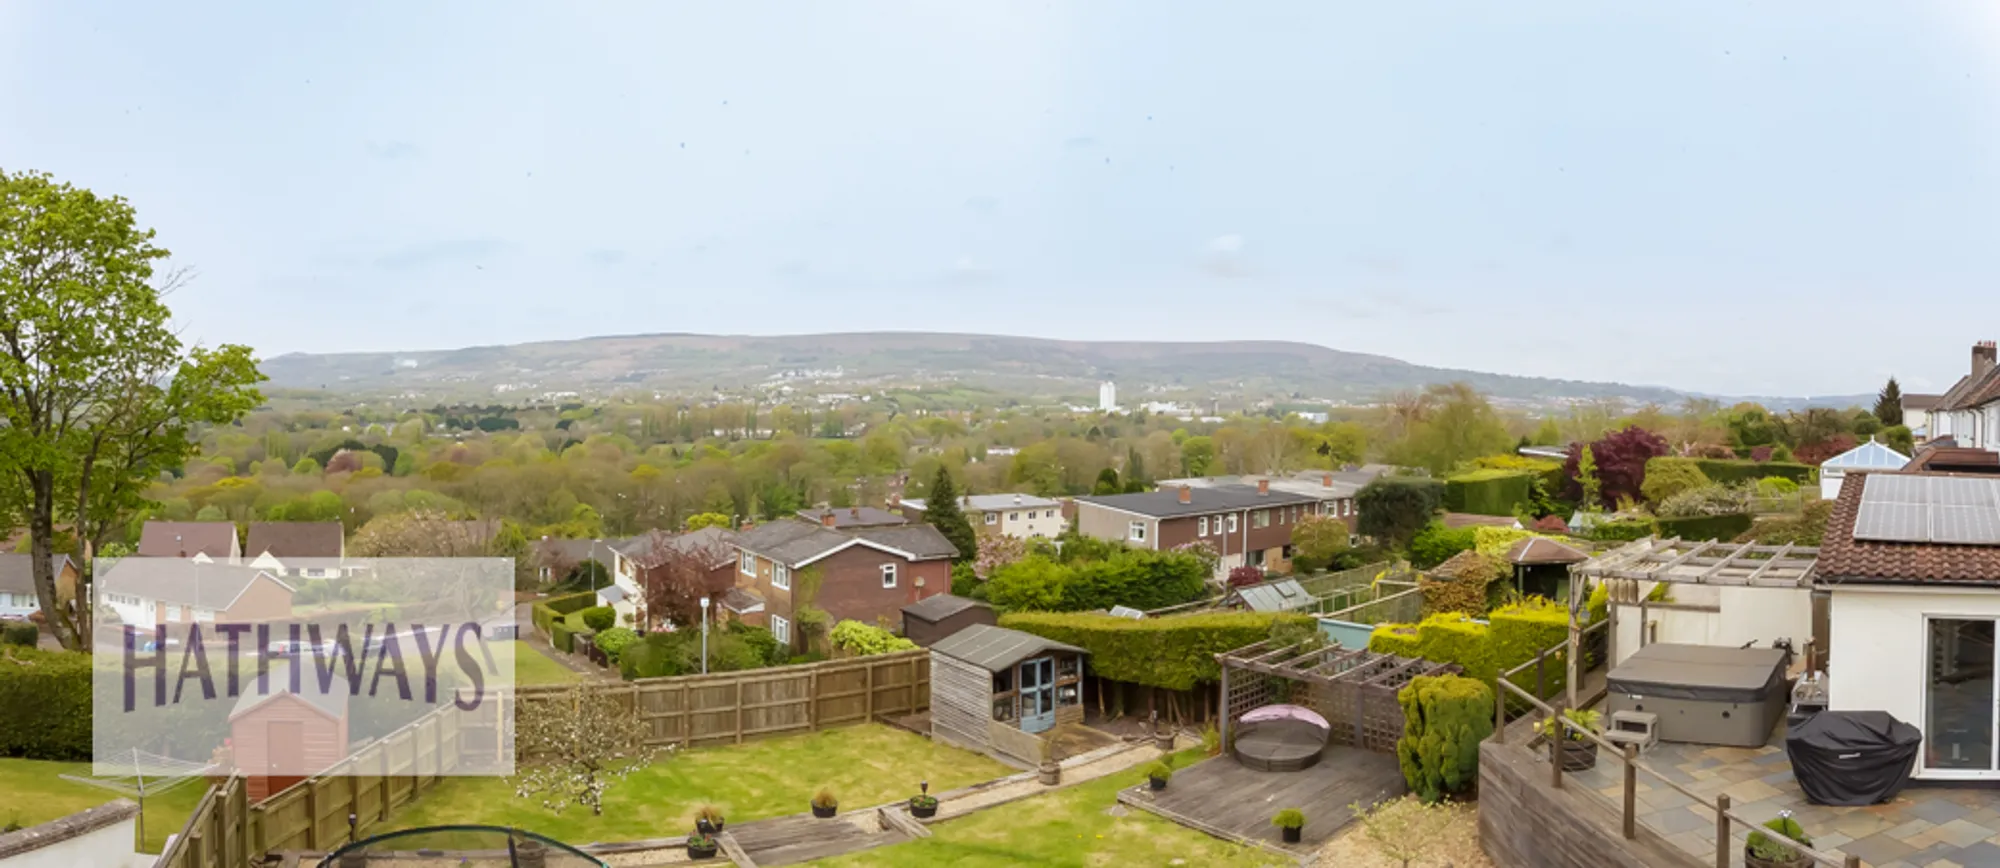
(1286, 712)
(1701, 672)
(1852, 757)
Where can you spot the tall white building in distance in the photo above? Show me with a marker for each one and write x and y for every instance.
(1107, 396)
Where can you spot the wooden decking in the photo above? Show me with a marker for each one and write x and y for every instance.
(1231, 801)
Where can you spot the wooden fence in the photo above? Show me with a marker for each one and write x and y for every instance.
(225, 831)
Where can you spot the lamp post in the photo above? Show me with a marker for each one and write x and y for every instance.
(704, 635)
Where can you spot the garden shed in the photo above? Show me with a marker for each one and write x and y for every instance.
(1541, 566)
(936, 617)
(287, 736)
(994, 689)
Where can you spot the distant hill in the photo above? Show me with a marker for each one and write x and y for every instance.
(1015, 365)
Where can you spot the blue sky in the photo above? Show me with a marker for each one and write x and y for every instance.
(1739, 198)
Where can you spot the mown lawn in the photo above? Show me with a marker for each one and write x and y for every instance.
(532, 667)
(1071, 827)
(863, 765)
(31, 792)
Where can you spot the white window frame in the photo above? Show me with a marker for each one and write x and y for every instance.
(1232, 522)
(749, 566)
(1136, 531)
(781, 630)
(888, 576)
(781, 577)
(1015, 516)
(1204, 527)
(173, 613)
(1260, 519)
(992, 517)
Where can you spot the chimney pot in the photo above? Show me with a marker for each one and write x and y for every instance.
(1326, 480)
(1983, 357)
(1263, 486)
(1187, 494)
(828, 518)
(854, 511)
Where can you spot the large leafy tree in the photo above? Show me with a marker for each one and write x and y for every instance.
(1394, 508)
(1889, 404)
(1620, 459)
(1457, 425)
(98, 397)
(942, 511)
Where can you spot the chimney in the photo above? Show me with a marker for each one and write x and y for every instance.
(854, 511)
(1982, 357)
(1017, 500)
(828, 518)
(1326, 480)
(1187, 494)
(1263, 486)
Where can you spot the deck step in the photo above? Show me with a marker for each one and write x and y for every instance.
(901, 821)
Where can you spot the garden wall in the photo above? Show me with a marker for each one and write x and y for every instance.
(1523, 821)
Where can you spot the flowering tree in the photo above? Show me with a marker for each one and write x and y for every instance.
(1245, 575)
(1203, 550)
(996, 551)
(673, 576)
(574, 745)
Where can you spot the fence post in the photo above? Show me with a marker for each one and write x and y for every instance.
(312, 815)
(1722, 841)
(739, 711)
(868, 701)
(1541, 678)
(1555, 740)
(1499, 712)
(913, 685)
(812, 699)
(1631, 793)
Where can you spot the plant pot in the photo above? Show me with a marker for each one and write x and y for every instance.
(923, 812)
(1291, 833)
(826, 813)
(700, 852)
(531, 854)
(1798, 861)
(1158, 783)
(705, 827)
(1049, 773)
(1577, 755)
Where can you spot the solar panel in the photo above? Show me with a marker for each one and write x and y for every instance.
(1896, 489)
(1929, 509)
(1969, 525)
(1892, 522)
(1947, 491)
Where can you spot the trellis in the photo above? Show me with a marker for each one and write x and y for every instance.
(1354, 689)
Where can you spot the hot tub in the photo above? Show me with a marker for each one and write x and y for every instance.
(1704, 694)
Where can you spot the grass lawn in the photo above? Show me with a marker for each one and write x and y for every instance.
(533, 667)
(863, 765)
(1071, 827)
(31, 793)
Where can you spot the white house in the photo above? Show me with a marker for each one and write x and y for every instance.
(1866, 457)
(1969, 412)
(1022, 516)
(1917, 413)
(17, 583)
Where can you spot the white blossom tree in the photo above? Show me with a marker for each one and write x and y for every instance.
(572, 746)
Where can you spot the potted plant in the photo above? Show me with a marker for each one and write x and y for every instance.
(923, 805)
(1568, 744)
(1158, 774)
(1764, 851)
(702, 845)
(825, 805)
(708, 820)
(1290, 824)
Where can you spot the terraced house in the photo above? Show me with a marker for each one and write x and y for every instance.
(1249, 525)
(865, 574)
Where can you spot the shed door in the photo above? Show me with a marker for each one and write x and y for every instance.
(284, 753)
(1038, 694)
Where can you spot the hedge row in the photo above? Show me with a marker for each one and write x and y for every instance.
(1732, 472)
(1621, 530)
(1513, 635)
(1175, 652)
(1488, 492)
(1706, 527)
(45, 696)
(547, 612)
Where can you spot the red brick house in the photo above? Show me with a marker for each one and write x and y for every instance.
(865, 574)
(655, 554)
(1248, 525)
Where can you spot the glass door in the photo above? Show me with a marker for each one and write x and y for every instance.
(1958, 702)
(1038, 699)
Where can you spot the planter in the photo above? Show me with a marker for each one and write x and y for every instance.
(1576, 755)
(923, 812)
(826, 813)
(1291, 833)
(695, 852)
(1049, 773)
(531, 854)
(707, 828)
(1800, 861)
(1158, 783)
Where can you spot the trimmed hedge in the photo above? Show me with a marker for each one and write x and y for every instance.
(1621, 530)
(1176, 652)
(44, 704)
(547, 612)
(1445, 717)
(1512, 636)
(599, 618)
(1733, 472)
(20, 633)
(1488, 492)
(1706, 527)
(1521, 630)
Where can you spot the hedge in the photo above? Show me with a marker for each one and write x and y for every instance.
(1521, 630)
(1512, 636)
(44, 704)
(1488, 492)
(19, 633)
(1176, 652)
(1706, 527)
(1732, 472)
(1621, 530)
(1445, 717)
(599, 618)
(547, 612)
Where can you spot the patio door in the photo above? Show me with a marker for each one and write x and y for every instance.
(1959, 699)
(1038, 694)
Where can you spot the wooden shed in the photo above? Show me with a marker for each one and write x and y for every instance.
(279, 739)
(933, 618)
(994, 689)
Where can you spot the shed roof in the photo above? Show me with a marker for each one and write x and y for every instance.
(996, 648)
(331, 702)
(1871, 455)
(1843, 558)
(853, 516)
(938, 607)
(1537, 550)
(990, 502)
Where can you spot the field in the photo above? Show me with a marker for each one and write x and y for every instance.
(31, 792)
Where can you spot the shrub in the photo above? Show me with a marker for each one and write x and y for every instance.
(599, 618)
(1160, 771)
(861, 639)
(1668, 476)
(46, 695)
(1774, 850)
(19, 633)
(548, 611)
(1519, 631)
(1246, 575)
(760, 642)
(614, 640)
(679, 653)
(1707, 500)
(563, 637)
(1445, 718)
(1289, 818)
(1394, 508)
(1621, 458)
(1436, 543)
(1728, 472)
(1488, 492)
(1776, 486)
(1706, 527)
(825, 799)
(1459, 584)
(1806, 529)
(1176, 652)
(1136, 578)
(1621, 530)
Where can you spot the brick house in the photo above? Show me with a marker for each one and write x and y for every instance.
(866, 574)
(202, 540)
(144, 592)
(654, 554)
(1248, 525)
(1333, 489)
(313, 549)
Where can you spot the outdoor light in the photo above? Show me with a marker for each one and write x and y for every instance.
(704, 635)
(924, 787)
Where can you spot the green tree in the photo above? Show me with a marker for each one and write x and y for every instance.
(942, 511)
(702, 520)
(1587, 481)
(1394, 508)
(1459, 427)
(306, 467)
(1667, 476)
(1899, 438)
(1318, 539)
(1197, 455)
(1107, 483)
(1135, 467)
(1889, 404)
(1547, 434)
(98, 398)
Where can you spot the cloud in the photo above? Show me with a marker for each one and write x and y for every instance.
(1224, 257)
(394, 150)
(455, 250)
(1227, 244)
(607, 256)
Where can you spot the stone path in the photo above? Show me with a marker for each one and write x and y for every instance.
(524, 630)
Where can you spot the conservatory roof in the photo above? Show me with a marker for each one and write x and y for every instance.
(1868, 456)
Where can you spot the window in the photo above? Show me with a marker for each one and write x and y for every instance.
(781, 577)
(1260, 518)
(1137, 532)
(1347, 507)
(1203, 526)
(1232, 522)
(122, 599)
(781, 629)
(992, 518)
(173, 613)
(749, 564)
(1015, 516)
(888, 575)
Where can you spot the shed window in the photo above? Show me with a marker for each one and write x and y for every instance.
(992, 518)
(1066, 695)
(1003, 709)
(1065, 667)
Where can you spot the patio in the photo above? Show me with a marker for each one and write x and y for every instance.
(1923, 826)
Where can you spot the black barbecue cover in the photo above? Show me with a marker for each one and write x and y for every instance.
(1852, 757)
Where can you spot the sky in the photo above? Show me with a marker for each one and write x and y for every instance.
(1737, 198)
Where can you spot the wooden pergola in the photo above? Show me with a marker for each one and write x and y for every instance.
(1352, 686)
(1675, 560)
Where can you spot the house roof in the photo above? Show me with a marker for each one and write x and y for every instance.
(797, 543)
(1914, 401)
(853, 516)
(1949, 458)
(649, 549)
(938, 607)
(1316, 484)
(922, 541)
(990, 502)
(1871, 455)
(1537, 550)
(1842, 558)
(995, 649)
(212, 586)
(217, 539)
(1971, 391)
(295, 539)
(576, 551)
(1166, 502)
(17, 572)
